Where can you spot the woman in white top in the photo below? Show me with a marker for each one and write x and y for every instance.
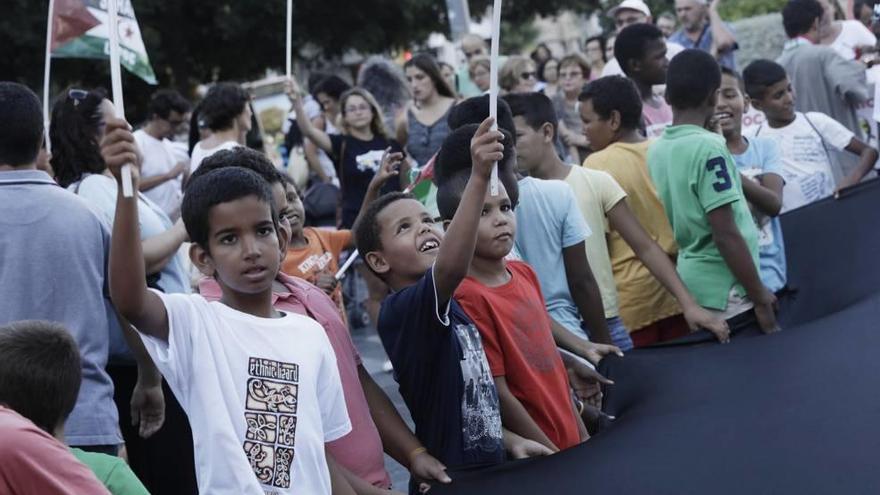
(849, 38)
(227, 113)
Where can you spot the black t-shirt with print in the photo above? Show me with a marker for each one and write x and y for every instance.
(356, 167)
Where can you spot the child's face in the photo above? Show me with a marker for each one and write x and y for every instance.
(296, 212)
(279, 198)
(654, 63)
(599, 132)
(777, 102)
(530, 145)
(731, 105)
(497, 226)
(410, 241)
(244, 248)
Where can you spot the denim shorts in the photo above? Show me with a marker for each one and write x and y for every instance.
(619, 334)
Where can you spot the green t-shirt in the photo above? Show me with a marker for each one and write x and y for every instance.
(112, 471)
(695, 174)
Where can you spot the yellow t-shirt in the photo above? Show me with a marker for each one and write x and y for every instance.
(596, 193)
(643, 300)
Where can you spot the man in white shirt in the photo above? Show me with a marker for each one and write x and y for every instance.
(164, 167)
(627, 13)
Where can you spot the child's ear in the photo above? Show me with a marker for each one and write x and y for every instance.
(548, 131)
(377, 262)
(446, 224)
(201, 259)
(614, 120)
(756, 103)
(747, 103)
(283, 241)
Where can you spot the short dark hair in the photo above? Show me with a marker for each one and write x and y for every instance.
(73, 130)
(240, 157)
(602, 44)
(224, 102)
(367, 231)
(40, 371)
(798, 16)
(476, 109)
(632, 41)
(21, 124)
(693, 76)
(218, 186)
(760, 75)
(536, 108)
(332, 86)
(615, 93)
(727, 71)
(454, 161)
(165, 101)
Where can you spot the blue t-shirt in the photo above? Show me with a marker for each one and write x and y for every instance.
(763, 157)
(443, 375)
(549, 220)
(704, 43)
(55, 250)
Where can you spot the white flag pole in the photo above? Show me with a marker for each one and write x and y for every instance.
(116, 83)
(493, 83)
(289, 53)
(46, 74)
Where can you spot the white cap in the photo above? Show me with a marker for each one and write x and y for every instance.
(637, 5)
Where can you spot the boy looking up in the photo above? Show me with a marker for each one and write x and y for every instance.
(436, 351)
(40, 376)
(601, 200)
(760, 163)
(571, 291)
(260, 387)
(641, 51)
(71, 247)
(504, 299)
(804, 138)
(701, 190)
(374, 420)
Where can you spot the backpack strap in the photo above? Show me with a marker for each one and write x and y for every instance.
(821, 139)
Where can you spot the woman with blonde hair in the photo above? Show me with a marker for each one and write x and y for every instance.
(518, 75)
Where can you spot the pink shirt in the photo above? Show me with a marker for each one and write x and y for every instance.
(657, 116)
(361, 450)
(31, 461)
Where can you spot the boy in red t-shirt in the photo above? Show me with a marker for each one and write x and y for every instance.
(505, 302)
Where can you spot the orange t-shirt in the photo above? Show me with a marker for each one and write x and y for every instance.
(518, 341)
(321, 255)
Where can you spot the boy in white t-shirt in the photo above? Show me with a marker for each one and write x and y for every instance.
(807, 141)
(262, 399)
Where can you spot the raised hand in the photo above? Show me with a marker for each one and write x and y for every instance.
(118, 148)
(487, 148)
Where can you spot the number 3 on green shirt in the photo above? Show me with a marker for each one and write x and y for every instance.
(719, 166)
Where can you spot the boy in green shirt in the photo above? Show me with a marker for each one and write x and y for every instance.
(701, 190)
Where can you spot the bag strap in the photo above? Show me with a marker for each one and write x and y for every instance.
(821, 138)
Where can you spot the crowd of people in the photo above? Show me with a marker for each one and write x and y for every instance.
(197, 328)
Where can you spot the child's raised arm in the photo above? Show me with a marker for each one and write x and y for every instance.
(457, 248)
(128, 286)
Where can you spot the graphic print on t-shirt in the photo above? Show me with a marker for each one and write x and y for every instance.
(270, 415)
(480, 419)
(532, 336)
(370, 160)
(315, 262)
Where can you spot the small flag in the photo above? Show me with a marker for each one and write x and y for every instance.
(80, 30)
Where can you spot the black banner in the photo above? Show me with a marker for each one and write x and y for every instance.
(793, 412)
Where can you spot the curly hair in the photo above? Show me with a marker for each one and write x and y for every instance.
(224, 102)
(74, 131)
(385, 81)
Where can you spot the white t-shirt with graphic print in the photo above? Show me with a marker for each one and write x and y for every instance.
(806, 159)
(262, 396)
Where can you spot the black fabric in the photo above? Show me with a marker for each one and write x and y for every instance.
(793, 412)
(356, 163)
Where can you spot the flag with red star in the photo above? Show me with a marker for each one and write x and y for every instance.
(80, 30)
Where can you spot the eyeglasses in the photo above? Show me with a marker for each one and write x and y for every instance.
(77, 95)
(529, 75)
(357, 108)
